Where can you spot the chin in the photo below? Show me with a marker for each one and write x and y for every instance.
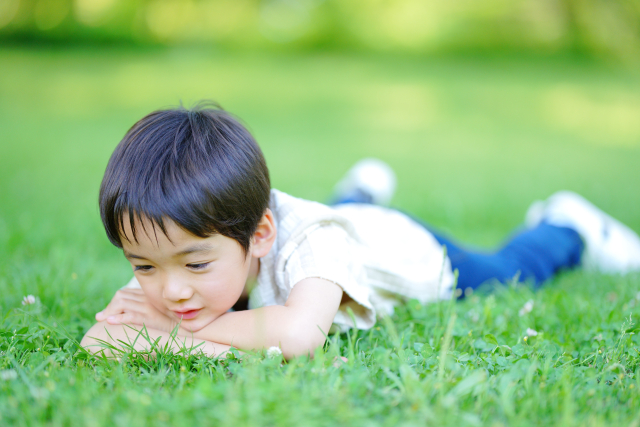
(194, 325)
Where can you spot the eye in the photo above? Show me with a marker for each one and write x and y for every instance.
(142, 268)
(199, 266)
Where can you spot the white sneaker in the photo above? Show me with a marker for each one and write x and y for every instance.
(368, 181)
(610, 246)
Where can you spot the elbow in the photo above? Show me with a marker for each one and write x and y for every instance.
(301, 340)
(96, 337)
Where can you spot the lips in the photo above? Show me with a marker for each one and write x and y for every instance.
(187, 314)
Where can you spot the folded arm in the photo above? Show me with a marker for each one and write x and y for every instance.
(95, 338)
(298, 327)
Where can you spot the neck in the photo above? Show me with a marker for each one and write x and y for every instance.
(254, 270)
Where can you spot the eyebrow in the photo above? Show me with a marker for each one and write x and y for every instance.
(202, 247)
(134, 256)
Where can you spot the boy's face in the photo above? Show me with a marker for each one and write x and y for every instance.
(188, 278)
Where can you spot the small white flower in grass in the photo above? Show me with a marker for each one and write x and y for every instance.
(8, 375)
(28, 300)
(531, 332)
(273, 352)
(634, 300)
(526, 308)
(473, 315)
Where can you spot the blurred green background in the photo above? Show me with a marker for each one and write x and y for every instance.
(610, 28)
(480, 106)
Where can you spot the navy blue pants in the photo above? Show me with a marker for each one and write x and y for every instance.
(533, 254)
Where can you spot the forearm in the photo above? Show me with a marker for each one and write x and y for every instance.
(278, 326)
(102, 333)
(298, 328)
(265, 327)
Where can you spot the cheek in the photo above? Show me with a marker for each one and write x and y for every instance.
(153, 293)
(223, 287)
(219, 288)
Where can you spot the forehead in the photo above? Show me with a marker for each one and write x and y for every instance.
(148, 232)
(153, 243)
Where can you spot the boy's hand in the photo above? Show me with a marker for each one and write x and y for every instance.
(130, 307)
(114, 334)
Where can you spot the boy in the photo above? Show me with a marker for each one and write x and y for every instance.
(186, 195)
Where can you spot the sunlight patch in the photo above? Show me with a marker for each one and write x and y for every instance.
(93, 12)
(167, 19)
(612, 120)
(8, 11)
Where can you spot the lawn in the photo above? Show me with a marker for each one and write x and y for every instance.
(473, 140)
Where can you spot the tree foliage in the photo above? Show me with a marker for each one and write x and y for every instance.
(595, 26)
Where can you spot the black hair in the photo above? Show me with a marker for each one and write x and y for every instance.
(198, 167)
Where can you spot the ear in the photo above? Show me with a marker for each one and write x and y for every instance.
(265, 235)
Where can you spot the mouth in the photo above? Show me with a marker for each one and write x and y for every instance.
(187, 314)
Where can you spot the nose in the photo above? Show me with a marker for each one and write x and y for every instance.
(175, 289)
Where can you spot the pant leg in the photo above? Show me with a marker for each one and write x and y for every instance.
(534, 254)
(356, 196)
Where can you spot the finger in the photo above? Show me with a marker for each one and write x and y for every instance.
(129, 318)
(110, 310)
(338, 361)
(131, 291)
(134, 294)
(120, 306)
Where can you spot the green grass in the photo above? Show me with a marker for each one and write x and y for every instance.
(474, 141)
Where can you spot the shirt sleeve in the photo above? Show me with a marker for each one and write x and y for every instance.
(328, 252)
(132, 284)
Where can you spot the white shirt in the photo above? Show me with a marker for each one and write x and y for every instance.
(378, 256)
